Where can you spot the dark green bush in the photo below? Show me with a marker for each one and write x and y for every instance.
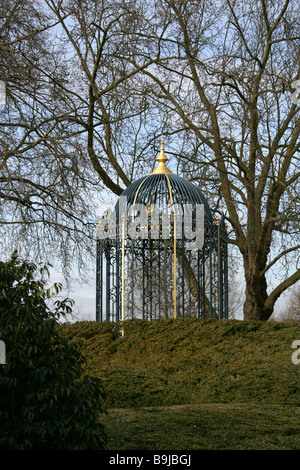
(46, 401)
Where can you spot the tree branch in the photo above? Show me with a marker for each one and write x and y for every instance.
(270, 301)
(283, 253)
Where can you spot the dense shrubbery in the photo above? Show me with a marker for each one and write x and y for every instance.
(46, 401)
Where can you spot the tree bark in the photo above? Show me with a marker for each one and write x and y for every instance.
(256, 296)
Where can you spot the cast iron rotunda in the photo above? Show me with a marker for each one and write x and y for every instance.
(161, 253)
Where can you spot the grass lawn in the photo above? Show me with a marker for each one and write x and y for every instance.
(221, 426)
(192, 384)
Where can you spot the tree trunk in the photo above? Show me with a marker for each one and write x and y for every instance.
(256, 295)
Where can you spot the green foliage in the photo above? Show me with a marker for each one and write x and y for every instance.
(190, 361)
(46, 400)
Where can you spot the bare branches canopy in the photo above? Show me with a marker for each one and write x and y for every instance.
(91, 85)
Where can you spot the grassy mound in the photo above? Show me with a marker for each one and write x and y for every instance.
(190, 361)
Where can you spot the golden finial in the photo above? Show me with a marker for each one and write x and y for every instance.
(162, 159)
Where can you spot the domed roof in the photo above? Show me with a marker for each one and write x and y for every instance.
(164, 187)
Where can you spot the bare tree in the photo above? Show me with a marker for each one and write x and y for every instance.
(89, 91)
(43, 203)
(74, 110)
(229, 86)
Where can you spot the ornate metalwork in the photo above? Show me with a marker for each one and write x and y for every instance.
(147, 266)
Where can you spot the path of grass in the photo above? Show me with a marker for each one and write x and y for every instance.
(207, 427)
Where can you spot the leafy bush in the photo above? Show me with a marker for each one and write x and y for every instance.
(46, 401)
